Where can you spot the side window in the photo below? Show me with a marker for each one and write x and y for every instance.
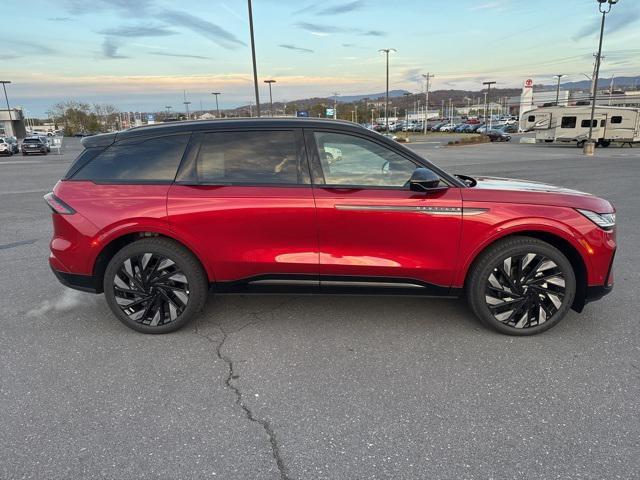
(351, 160)
(531, 118)
(569, 122)
(585, 123)
(252, 157)
(602, 123)
(616, 119)
(137, 160)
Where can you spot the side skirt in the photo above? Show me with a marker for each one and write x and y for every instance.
(333, 285)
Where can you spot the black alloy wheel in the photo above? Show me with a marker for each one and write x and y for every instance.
(155, 285)
(151, 289)
(521, 286)
(525, 290)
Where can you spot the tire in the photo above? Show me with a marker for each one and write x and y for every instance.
(580, 144)
(538, 304)
(161, 270)
(605, 143)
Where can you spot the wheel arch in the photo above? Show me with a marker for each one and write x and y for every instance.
(117, 243)
(565, 246)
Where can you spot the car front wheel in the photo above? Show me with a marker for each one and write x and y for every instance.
(521, 286)
(155, 285)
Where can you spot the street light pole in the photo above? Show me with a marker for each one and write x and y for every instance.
(217, 107)
(168, 107)
(558, 76)
(427, 77)
(253, 57)
(386, 51)
(4, 87)
(486, 98)
(270, 96)
(335, 105)
(589, 146)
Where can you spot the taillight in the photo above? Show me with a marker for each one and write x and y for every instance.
(57, 205)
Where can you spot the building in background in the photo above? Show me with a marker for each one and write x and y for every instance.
(12, 125)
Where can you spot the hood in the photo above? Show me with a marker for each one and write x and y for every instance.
(496, 183)
(507, 190)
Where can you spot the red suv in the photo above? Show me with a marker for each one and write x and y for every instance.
(157, 216)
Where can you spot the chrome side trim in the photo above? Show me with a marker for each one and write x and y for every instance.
(338, 283)
(467, 212)
(283, 282)
(428, 210)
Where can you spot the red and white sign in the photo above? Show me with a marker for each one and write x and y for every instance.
(528, 83)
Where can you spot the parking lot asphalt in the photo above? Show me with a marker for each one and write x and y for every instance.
(313, 387)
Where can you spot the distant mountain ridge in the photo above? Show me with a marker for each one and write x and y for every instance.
(602, 83)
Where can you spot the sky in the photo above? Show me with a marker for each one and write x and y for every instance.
(141, 55)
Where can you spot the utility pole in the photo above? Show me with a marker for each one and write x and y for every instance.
(270, 96)
(217, 107)
(427, 77)
(611, 89)
(589, 146)
(253, 57)
(168, 107)
(450, 111)
(335, 105)
(558, 76)
(186, 104)
(487, 99)
(386, 51)
(4, 87)
(356, 107)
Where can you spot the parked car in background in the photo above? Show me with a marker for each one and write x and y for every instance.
(156, 233)
(448, 127)
(438, 126)
(497, 135)
(459, 128)
(508, 128)
(14, 143)
(6, 148)
(45, 139)
(474, 128)
(34, 145)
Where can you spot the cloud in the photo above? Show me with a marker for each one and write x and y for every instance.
(412, 75)
(297, 49)
(347, 45)
(338, 9)
(81, 7)
(110, 49)
(373, 33)
(202, 27)
(613, 24)
(180, 55)
(486, 6)
(138, 31)
(30, 48)
(320, 29)
(59, 19)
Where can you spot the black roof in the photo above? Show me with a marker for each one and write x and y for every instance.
(199, 125)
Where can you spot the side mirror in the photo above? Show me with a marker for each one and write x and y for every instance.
(424, 180)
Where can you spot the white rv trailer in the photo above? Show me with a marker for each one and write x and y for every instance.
(571, 124)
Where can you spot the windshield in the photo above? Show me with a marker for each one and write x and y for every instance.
(31, 140)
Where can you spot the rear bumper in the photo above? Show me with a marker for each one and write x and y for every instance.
(85, 283)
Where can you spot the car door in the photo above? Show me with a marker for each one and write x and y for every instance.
(373, 231)
(244, 199)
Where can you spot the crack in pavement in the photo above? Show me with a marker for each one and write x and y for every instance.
(18, 244)
(231, 375)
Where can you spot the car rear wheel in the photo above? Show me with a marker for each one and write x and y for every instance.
(155, 285)
(521, 286)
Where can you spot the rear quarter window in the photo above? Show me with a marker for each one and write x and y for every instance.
(136, 160)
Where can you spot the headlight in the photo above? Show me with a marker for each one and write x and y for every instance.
(606, 221)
